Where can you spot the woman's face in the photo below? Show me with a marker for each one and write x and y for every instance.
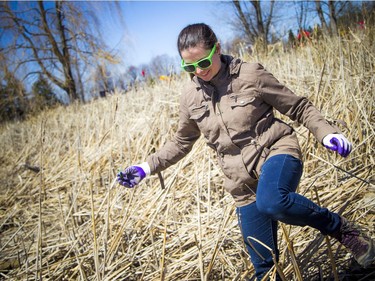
(199, 52)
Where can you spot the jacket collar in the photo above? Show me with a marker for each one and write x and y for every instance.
(229, 67)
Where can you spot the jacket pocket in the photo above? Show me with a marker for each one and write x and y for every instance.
(198, 112)
(241, 100)
(200, 115)
(245, 110)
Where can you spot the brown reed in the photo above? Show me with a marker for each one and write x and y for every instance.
(63, 217)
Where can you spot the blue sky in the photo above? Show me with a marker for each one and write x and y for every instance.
(152, 27)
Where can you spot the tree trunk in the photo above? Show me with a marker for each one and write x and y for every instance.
(319, 11)
(66, 60)
(332, 17)
(244, 22)
(262, 35)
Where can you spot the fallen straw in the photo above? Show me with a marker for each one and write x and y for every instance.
(109, 232)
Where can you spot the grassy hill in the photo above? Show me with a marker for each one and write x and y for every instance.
(63, 217)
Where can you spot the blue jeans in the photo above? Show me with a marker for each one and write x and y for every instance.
(276, 200)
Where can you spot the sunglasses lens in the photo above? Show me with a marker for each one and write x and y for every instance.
(189, 68)
(204, 64)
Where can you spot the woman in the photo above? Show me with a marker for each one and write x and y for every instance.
(231, 103)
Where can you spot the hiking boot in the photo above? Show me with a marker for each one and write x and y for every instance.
(359, 243)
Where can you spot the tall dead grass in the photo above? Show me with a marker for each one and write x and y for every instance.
(63, 217)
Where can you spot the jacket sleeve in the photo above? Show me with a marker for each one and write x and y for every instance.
(182, 143)
(297, 108)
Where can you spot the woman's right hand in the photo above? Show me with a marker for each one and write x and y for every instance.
(133, 175)
(337, 142)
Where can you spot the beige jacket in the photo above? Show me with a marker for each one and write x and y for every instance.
(234, 112)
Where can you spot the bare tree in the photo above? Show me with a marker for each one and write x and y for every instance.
(12, 93)
(104, 82)
(319, 11)
(53, 39)
(302, 10)
(333, 10)
(162, 65)
(255, 22)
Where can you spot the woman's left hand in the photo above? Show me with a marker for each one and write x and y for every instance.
(337, 142)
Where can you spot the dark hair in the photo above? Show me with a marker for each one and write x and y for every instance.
(195, 34)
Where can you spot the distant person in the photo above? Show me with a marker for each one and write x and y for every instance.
(303, 34)
(231, 103)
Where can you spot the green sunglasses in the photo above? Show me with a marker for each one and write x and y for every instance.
(202, 64)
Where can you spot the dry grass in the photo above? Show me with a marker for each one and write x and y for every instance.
(63, 217)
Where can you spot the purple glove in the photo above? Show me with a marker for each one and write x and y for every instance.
(131, 176)
(339, 143)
